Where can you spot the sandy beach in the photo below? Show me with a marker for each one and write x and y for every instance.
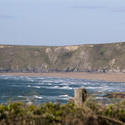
(114, 77)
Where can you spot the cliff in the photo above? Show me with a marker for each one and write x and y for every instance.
(81, 58)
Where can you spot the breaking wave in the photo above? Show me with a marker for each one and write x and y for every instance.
(44, 89)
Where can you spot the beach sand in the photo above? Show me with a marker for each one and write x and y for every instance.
(113, 77)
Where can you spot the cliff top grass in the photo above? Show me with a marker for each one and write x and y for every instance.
(79, 58)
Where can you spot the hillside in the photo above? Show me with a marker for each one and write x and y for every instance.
(81, 58)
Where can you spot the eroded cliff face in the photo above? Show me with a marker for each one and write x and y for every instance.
(82, 58)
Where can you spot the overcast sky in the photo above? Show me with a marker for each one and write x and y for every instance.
(61, 22)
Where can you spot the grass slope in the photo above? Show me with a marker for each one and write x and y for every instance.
(90, 58)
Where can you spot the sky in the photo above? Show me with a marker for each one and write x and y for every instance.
(61, 22)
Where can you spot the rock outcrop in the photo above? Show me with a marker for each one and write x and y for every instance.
(116, 95)
(80, 96)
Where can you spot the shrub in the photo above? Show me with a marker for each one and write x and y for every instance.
(91, 113)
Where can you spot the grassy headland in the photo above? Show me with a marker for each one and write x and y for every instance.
(81, 58)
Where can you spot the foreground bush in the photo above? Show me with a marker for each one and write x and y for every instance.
(90, 113)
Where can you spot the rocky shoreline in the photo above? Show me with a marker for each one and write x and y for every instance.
(116, 95)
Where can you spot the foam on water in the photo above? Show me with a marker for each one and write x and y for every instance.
(37, 97)
(44, 89)
(38, 87)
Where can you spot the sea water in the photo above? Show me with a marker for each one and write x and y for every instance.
(45, 89)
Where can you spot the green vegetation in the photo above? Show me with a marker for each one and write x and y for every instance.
(91, 113)
(97, 57)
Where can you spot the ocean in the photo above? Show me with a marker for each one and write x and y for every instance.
(45, 89)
